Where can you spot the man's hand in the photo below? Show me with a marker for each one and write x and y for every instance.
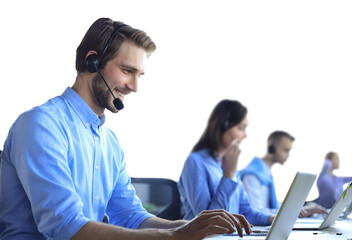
(213, 222)
(310, 208)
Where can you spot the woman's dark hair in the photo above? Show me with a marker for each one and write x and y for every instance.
(225, 115)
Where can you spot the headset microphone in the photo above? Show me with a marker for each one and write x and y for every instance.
(117, 102)
(93, 63)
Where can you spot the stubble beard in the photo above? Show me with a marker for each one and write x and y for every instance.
(102, 94)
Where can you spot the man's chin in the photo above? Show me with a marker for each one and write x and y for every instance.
(113, 110)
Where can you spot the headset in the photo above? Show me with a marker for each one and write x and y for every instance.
(275, 138)
(93, 61)
(271, 149)
(226, 123)
(93, 64)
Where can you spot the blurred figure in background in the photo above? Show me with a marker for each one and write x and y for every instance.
(330, 186)
(208, 179)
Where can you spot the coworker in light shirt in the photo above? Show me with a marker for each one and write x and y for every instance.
(258, 180)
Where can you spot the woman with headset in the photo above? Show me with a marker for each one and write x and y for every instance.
(208, 179)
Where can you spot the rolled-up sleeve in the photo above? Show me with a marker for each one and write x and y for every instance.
(61, 168)
(39, 156)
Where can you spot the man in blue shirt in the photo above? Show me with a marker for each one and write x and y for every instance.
(62, 170)
(258, 180)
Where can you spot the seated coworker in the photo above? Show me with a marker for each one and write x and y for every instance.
(329, 185)
(258, 180)
(208, 179)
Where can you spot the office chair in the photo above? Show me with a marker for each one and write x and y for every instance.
(159, 196)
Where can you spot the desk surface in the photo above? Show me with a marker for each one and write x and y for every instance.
(341, 226)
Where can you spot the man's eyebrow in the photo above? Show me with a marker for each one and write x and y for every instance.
(132, 68)
(129, 67)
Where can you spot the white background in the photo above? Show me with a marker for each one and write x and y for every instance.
(289, 62)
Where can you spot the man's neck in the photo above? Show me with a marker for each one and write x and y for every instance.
(83, 90)
(269, 160)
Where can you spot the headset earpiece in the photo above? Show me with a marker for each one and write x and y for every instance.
(92, 63)
(226, 124)
(271, 149)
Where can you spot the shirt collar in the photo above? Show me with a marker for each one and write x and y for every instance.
(266, 168)
(82, 109)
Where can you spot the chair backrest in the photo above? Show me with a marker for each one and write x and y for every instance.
(160, 196)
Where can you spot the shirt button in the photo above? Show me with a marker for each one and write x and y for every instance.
(87, 124)
(96, 197)
(97, 167)
(96, 138)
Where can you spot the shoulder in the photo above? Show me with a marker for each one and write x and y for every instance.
(252, 168)
(198, 160)
(44, 115)
(251, 179)
(38, 124)
(200, 157)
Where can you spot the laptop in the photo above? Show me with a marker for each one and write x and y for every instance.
(347, 211)
(288, 213)
(334, 213)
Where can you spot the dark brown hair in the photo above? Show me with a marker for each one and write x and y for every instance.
(276, 136)
(225, 115)
(99, 34)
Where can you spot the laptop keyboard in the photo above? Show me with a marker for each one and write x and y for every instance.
(316, 222)
(253, 234)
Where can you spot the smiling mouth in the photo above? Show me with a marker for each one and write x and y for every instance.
(120, 94)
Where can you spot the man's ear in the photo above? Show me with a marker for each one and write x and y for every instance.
(90, 52)
(92, 61)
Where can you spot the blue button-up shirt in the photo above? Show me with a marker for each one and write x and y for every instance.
(61, 168)
(202, 186)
